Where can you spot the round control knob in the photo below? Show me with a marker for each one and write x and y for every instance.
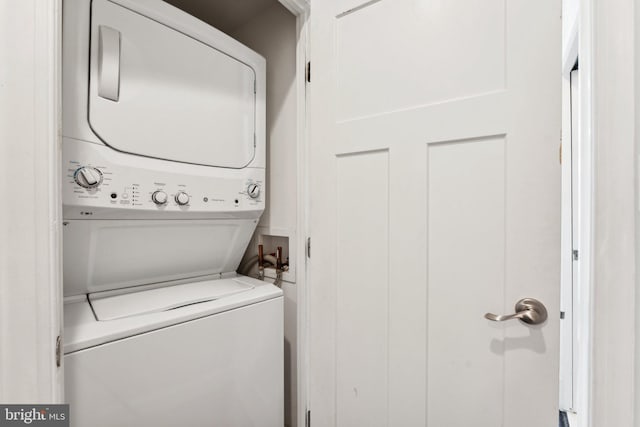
(182, 198)
(159, 197)
(88, 177)
(253, 190)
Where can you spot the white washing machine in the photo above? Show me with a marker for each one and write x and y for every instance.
(163, 185)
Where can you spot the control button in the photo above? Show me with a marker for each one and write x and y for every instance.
(88, 177)
(182, 198)
(159, 197)
(253, 190)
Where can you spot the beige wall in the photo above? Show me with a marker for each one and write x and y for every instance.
(614, 239)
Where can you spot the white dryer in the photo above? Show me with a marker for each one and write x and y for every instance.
(163, 185)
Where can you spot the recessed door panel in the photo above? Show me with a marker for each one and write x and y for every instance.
(398, 55)
(159, 93)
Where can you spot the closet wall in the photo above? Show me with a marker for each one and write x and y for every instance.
(272, 34)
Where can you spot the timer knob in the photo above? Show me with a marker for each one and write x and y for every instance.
(253, 190)
(88, 177)
(182, 198)
(159, 197)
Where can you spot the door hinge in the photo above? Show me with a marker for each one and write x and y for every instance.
(575, 254)
(308, 247)
(308, 72)
(560, 152)
(58, 351)
(307, 420)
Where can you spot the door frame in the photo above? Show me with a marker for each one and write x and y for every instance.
(31, 295)
(608, 366)
(301, 9)
(580, 293)
(577, 157)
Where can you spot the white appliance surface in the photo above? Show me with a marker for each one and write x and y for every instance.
(195, 102)
(115, 236)
(107, 306)
(128, 183)
(82, 329)
(163, 185)
(215, 364)
(102, 255)
(162, 84)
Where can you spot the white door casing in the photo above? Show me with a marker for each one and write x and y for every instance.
(31, 230)
(435, 198)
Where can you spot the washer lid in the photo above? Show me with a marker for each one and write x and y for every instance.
(157, 92)
(111, 307)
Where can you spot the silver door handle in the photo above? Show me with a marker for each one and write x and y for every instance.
(108, 63)
(528, 310)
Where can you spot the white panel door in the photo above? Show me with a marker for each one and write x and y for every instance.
(435, 198)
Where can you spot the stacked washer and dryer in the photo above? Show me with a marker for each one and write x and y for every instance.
(164, 171)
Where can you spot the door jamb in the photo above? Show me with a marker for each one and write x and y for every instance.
(301, 10)
(31, 295)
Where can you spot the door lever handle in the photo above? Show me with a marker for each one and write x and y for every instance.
(528, 310)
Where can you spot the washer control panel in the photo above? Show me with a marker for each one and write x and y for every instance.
(97, 177)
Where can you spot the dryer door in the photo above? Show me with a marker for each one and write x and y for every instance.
(159, 93)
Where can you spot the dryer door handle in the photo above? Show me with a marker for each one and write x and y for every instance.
(108, 63)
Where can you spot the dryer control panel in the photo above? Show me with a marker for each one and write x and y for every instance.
(100, 182)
